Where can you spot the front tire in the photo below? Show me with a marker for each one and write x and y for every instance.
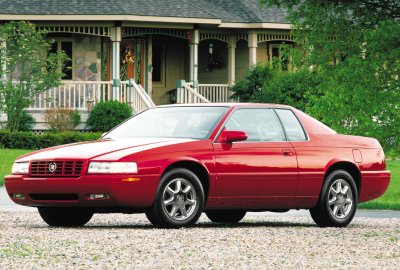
(338, 201)
(226, 216)
(65, 216)
(179, 201)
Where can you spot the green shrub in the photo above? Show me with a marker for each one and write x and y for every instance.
(290, 88)
(245, 90)
(62, 119)
(267, 85)
(106, 115)
(18, 140)
(30, 140)
(26, 121)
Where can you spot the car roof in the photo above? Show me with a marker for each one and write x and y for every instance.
(228, 104)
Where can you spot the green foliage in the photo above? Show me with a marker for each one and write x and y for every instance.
(62, 119)
(291, 88)
(271, 85)
(251, 86)
(331, 30)
(106, 115)
(26, 121)
(30, 140)
(27, 68)
(354, 46)
(363, 89)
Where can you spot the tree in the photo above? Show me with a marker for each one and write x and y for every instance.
(291, 88)
(26, 68)
(251, 86)
(354, 45)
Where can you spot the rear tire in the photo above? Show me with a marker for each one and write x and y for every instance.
(179, 201)
(338, 201)
(65, 216)
(226, 216)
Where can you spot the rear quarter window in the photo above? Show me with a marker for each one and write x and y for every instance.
(291, 124)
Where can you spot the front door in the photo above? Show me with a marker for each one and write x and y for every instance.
(261, 171)
(132, 60)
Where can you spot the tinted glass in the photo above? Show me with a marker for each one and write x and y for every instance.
(171, 122)
(293, 128)
(157, 61)
(261, 125)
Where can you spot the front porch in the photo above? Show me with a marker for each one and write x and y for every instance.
(141, 64)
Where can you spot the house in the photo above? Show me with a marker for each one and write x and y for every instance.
(156, 43)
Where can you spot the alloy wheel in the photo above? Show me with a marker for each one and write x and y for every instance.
(179, 199)
(340, 199)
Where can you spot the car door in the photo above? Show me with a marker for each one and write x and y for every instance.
(264, 166)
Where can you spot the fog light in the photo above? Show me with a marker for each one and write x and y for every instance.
(18, 196)
(99, 196)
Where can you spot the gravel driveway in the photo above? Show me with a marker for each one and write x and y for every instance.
(120, 241)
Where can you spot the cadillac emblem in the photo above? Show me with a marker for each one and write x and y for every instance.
(52, 167)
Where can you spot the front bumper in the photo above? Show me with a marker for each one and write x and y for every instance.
(124, 191)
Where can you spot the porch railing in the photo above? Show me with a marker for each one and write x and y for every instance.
(187, 94)
(74, 95)
(140, 99)
(82, 95)
(215, 92)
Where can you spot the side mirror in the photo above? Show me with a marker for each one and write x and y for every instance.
(228, 136)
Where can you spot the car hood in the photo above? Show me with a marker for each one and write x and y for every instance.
(94, 149)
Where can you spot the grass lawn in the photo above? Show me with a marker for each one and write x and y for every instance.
(7, 157)
(391, 199)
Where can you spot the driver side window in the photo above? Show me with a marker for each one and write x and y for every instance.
(261, 125)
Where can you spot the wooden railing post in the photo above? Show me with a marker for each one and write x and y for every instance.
(180, 91)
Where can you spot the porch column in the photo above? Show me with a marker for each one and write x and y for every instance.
(115, 67)
(194, 57)
(149, 65)
(252, 48)
(231, 59)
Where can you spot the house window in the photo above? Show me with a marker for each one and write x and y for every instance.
(277, 57)
(158, 62)
(64, 46)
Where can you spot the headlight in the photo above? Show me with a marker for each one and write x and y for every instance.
(112, 167)
(20, 168)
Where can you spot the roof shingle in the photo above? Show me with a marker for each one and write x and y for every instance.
(240, 11)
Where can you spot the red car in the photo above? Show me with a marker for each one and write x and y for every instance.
(174, 162)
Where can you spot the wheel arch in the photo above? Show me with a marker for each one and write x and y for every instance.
(197, 168)
(349, 167)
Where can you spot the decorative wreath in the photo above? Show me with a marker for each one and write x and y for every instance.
(128, 56)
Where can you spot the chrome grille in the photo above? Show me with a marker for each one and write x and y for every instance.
(56, 168)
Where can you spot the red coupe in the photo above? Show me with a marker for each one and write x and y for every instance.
(174, 162)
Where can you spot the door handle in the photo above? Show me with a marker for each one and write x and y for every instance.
(287, 152)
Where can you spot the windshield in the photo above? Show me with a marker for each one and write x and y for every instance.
(171, 122)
